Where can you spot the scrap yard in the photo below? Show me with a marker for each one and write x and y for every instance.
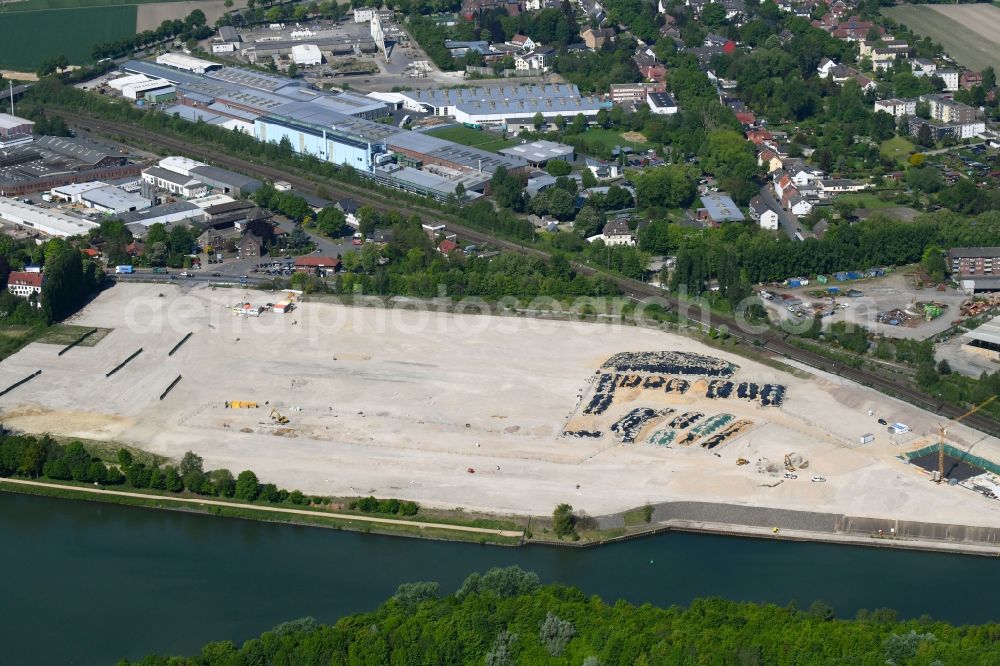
(349, 401)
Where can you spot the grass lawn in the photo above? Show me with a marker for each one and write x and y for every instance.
(473, 137)
(612, 138)
(973, 49)
(865, 200)
(64, 334)
(897, 148)
(28, 38)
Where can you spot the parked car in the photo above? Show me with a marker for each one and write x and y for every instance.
(819, 479)
(883, 422)
(789, 475)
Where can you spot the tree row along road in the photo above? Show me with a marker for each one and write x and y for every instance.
(267, 509)
(772, 341)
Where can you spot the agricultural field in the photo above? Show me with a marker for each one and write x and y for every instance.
(473, 137)
(72, 27)
(969, 33)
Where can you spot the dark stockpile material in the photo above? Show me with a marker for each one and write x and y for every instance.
(123, 363)
(676, 385)
(720, 437)
(629, 381)
(170, 388)
(654, 382)
(178, 345)
(19, 382)
(670, 363)
(719, 389)
(629, 425)
(592, 434)
(772, 395)
(603, 395)
(685, 420)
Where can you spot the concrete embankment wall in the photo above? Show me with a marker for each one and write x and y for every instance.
(735, 516)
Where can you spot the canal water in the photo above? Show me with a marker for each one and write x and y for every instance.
(89, 583)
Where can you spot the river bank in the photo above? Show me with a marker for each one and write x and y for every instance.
(757, 523)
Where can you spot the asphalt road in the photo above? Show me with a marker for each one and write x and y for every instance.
(788, 222)
(770, 341)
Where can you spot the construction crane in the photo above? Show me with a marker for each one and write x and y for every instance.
(944, 431)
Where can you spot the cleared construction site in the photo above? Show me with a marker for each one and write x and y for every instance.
(504, 414)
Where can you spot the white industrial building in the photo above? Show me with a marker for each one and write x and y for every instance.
(306, 55)
(74, 191)
(661, 104)
(110, 199)
(500, 105)
(174, 182)
(139, 89)
(181, 165)
(186, 63)
(122, 81)
(537, 153)
(166, 214)
(44, 220)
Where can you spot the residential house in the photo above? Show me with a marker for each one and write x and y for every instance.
(841, 185)
(856, 30)
(522, 42)
(969, 79)
(758, 135)
(761, 212)
(595, 38)
(615, 232)
(350, 208)
(947, 110)
(799, 205)
(882, 58)
(825, 67)
(897, 108)
(768, 159)
(447, 246)
(251, 245)
(922, 67)
(321, 266)
(26, 284)
(783, 182)
(950, 78)
(538, 60)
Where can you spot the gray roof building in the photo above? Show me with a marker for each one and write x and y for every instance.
(540, 152)
(720, 208)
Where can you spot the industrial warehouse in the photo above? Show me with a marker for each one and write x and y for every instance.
(336, 127)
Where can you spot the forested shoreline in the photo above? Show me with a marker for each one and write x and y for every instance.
(505, 616)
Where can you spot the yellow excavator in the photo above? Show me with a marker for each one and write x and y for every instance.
(278, 418)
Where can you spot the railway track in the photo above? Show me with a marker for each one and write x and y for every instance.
(769, 341)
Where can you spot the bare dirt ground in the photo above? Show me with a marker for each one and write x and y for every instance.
(13, 75)
(401, 403)
(149, 16)
(895, 290)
